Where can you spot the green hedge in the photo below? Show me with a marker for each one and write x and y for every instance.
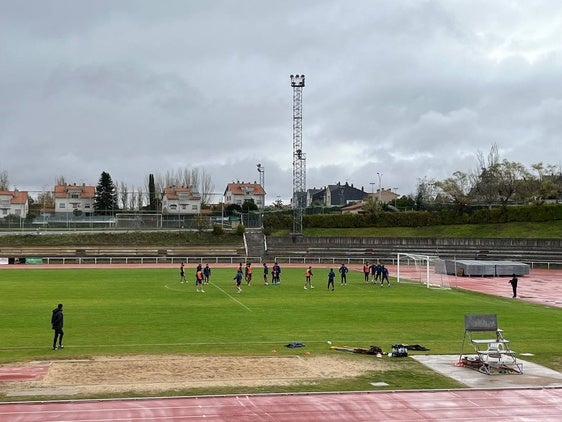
(532, 213)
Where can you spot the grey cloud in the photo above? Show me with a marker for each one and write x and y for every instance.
(407, 89)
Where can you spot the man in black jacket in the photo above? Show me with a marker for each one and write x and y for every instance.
(513, 283)
(57, 321)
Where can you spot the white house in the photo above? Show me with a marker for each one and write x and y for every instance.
(14, 203)
(71, 198)
(180, 200)
(239, 192)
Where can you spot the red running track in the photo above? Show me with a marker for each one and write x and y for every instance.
(453, 405)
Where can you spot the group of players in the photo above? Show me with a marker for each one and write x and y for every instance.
(378, 272)
(202, 276)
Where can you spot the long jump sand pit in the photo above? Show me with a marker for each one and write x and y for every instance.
(153, 374)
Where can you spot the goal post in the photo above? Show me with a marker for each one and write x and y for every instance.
(426, 269)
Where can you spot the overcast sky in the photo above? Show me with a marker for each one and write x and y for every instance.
(409, 89)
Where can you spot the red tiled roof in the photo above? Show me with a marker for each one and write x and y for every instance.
(172, 192)
(17, 196)
(353, 207)
(244, 188)
(61, 191)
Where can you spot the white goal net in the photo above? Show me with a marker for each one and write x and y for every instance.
(426, 269)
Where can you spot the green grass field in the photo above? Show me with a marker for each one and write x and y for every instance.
(128, 311)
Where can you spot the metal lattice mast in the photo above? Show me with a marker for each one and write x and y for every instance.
(299, 158)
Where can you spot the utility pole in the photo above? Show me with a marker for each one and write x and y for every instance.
(299, 158)
(261, 171)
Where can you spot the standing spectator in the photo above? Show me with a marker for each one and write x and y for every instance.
(513, 283)
(308, 278)
(199, 280)
(366, 271)
(57, 322)
(238, 279)
(265, 274)
(207, 274)
(384, 275)
(331, 277)
(182, 273)
(343, 273)
(276, 274)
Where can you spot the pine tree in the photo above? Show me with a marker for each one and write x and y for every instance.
(105, 201)
(152, 200)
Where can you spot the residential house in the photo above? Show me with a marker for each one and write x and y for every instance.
(310, 194)
(239, 192)
(180, 200)
(14, 202)
(337, 195)
(70, 199)
(356, 208)
(386, 196)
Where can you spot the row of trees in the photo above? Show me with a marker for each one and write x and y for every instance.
(494, 182)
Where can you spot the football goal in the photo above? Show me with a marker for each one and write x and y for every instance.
(425, 269)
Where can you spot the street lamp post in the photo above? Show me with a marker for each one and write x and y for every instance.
(380, 186)
(222, 212)
(372, 190)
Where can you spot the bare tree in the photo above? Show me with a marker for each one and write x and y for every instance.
(123, 193)
(485, 177)
(207, 187)
(138, 199)
(4, 180)
(196, 178)
(46, 200)
(60, 181)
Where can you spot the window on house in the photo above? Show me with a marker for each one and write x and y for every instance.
(194, 207)
(62, 205)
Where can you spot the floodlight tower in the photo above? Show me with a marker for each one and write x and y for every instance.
(299, 158)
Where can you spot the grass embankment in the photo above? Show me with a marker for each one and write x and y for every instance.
(117, 238)
(147, 311)
(528, 230)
